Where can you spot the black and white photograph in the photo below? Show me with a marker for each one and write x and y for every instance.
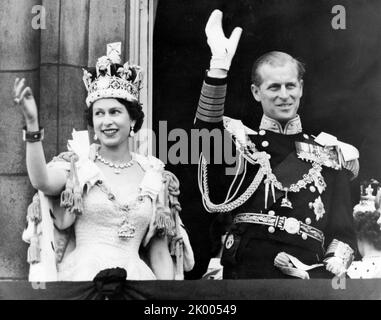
(187, 150)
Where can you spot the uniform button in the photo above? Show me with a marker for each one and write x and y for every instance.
(308, 221)
(304, 236)
(271, 229)
(229, 241)
(305, 136)
(265, 144)
(271, 213)
(262, 132)
(312, 189)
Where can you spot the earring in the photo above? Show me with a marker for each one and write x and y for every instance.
(132, 132)
(95, 137)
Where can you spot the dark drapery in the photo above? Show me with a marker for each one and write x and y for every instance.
(200, 290)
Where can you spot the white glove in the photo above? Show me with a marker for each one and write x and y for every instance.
(222, 48)
(282, 260)
(336, 266)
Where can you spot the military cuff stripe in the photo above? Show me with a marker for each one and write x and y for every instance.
(211, 113)
(208, 119)
(208, 107)
(211, 107)
(211, 100)
(213, 91)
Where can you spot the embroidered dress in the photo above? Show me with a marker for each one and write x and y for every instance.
(109, 232)
(98, 245)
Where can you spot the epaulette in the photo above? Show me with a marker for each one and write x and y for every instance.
(238, 130)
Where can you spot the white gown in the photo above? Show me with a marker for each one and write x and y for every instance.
(98, 245)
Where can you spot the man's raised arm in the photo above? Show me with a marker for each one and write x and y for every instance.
(211, 104)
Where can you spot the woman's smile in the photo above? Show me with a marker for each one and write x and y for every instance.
(110, 132)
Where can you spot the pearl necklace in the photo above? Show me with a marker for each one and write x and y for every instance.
(117, 167)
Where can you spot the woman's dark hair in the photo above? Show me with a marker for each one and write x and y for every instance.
(367, 228)
(134, 108)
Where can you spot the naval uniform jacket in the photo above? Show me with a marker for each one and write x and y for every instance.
(252, 248)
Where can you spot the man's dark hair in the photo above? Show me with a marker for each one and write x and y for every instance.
(274, 58)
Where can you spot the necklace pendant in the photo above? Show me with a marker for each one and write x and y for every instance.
(117, 171)
(126, 230)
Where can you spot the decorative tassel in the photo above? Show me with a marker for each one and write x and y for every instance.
(67, 196)
(34, 213)
(34, 250)
(164, 222)
(273, 191)
(267, 186)
(77, 208)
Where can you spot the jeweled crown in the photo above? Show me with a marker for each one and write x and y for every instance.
(370, 197)
(124, 84)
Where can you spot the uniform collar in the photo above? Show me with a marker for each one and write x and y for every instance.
(293, 126)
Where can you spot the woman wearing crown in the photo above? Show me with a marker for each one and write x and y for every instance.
(367, 221)
(102, 206)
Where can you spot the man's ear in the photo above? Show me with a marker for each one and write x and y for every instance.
(256, 92)
(301, 87)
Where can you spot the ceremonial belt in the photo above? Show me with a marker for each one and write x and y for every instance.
(290, 225)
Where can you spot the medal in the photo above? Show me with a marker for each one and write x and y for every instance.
(229, 241)
(126, 230)
(286, 203)
(318, 207)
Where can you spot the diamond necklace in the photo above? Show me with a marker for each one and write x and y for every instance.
(117, 167)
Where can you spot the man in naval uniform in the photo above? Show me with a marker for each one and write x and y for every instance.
(291, 207)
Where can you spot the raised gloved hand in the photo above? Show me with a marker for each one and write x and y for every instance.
(335, 265)
(222, 48)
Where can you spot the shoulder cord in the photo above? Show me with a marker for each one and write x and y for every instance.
(263, 160)
(227, 199)
(226, 206)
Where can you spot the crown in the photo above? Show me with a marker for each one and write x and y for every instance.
(125, 84)
(368, 200)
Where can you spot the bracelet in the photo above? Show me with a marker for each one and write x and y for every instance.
(33, 136)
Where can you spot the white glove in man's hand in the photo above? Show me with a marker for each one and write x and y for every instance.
(222, 48)
(335, 265)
